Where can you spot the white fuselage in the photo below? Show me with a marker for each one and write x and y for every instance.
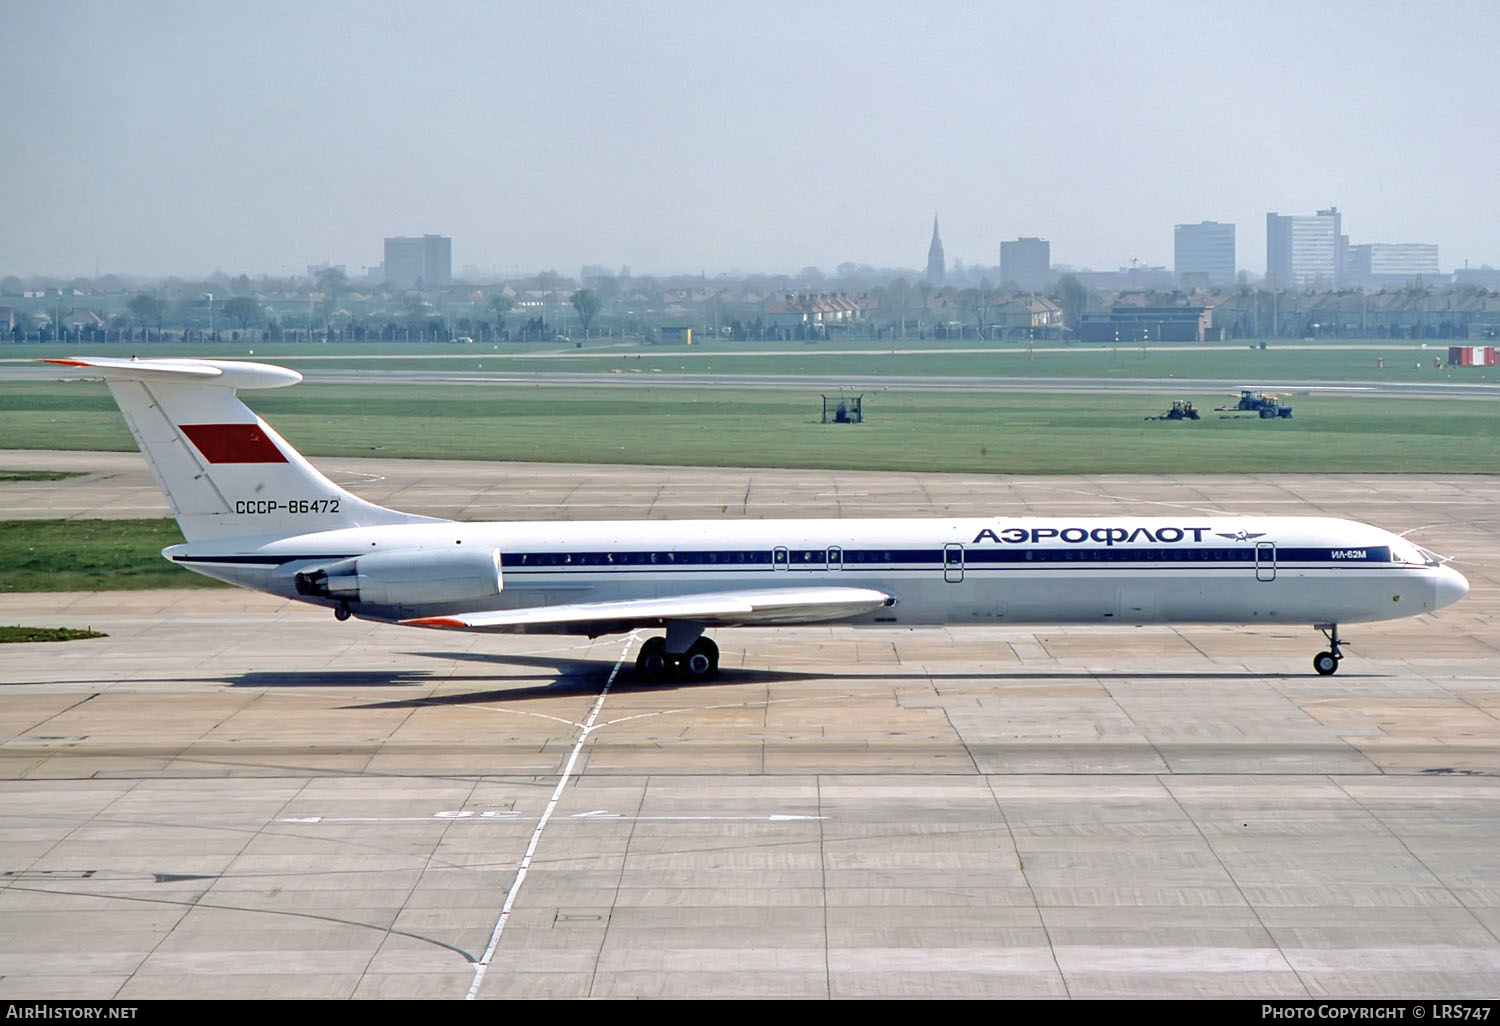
(1181, 569)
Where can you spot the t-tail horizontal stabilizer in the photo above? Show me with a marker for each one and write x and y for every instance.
(226, 472)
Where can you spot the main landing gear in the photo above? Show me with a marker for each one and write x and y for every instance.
(1327, 663)
(684, 654)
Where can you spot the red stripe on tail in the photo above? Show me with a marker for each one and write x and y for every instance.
(233, 443)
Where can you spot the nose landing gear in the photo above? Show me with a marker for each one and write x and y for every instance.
(1327, 663)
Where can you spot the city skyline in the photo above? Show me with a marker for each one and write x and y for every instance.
(1205, 253)
(177, 138)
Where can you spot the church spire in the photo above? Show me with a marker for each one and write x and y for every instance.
(936, 268)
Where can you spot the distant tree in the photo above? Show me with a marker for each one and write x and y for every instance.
(587, 304)
(414, 309)
(897, 297)
(148, 309)
(501, 304)
(977, 302)
(1074, 298)
(606, 285)
(331, 282)
(245, 309)
(924, 293)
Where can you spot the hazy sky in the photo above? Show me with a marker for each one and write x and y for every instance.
(153, 137)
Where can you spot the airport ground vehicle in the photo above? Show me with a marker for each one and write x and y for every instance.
(1265, 405)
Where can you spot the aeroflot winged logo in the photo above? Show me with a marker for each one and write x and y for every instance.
(1240, 535)
(233, 443)
(1077, 535)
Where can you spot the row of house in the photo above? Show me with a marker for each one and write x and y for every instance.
(1206, 317)
(1141, 315)
(816, 315)
(1411, 313)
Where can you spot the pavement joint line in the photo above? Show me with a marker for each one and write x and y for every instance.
(614, 903)
(1041, 916)
(1165, 783)
(1437, 877)
(536, 835)
(844, 696)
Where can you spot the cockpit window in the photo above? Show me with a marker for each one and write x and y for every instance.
(1405, 552)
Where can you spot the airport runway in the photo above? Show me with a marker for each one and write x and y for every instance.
(912, 383)
(232, 796)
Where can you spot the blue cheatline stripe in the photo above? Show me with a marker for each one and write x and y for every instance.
(881, 559)
(874, 559)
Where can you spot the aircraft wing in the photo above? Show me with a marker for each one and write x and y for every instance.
(719, 608)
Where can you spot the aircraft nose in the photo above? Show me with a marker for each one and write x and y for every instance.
(1450, 586)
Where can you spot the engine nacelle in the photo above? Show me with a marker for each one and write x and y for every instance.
(335, 581)
(408, 577)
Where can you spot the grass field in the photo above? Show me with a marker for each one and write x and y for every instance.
(19, 635)
(34, 475)
(976, 432)
(1016, 433)
(91, 555)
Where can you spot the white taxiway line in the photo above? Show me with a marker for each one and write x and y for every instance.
(536, 835)
(508, 816)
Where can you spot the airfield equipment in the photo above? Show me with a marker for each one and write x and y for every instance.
(844, 409)
(1265, 405)
(1182, 409)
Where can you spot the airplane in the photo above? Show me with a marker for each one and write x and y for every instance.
(255, 513)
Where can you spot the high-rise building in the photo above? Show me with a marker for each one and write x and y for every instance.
(1341, 244)
(1027, 262)
(937, 268)
(1377, 263)
(427, 261)
(1205, 249)
(1302, 251)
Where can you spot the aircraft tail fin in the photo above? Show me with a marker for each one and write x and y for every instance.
(224, 470)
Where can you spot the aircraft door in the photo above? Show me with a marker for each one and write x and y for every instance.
(1265, 561)
(779, 558)
(953, 563)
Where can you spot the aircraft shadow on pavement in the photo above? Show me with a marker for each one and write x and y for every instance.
(876, 673)
(585, 678)
(551, 678)
(549, 672)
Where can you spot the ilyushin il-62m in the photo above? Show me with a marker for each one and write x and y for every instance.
(257, 514)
